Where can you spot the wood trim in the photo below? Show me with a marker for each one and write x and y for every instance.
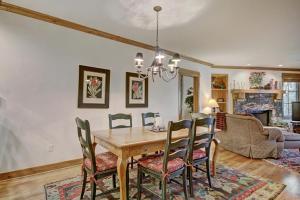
(290, 77)
(75, 26)
(196, 81)
(188, 72)
(256, 68)
(240, 93)
(39, 169)
(196, 91)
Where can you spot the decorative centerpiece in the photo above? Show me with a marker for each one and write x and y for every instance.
(256, 80)
(158, 125)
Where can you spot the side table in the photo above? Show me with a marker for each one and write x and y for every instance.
(296, 126)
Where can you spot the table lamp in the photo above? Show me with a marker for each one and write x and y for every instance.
(212, 103)
(207, 110)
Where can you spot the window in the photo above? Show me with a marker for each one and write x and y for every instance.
(291, 94)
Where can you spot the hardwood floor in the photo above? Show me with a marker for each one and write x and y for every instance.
(31, 187)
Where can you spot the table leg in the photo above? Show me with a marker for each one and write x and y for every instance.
(122, 166)
(214, 156)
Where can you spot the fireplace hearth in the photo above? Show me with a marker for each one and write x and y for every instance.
(264, 116)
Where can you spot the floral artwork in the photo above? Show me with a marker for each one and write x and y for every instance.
(94, 87)
(256, 80)
(93, 90)
(136, 91)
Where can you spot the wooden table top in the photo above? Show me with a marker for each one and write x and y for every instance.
(125, 137)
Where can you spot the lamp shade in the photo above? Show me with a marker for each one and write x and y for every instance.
(139, 57)
(171, 63)
(206, 110)
(212, 103)
(176, 57)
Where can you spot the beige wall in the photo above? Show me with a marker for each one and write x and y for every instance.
(39, 85)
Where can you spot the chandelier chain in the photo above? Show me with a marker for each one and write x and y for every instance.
(157, 29)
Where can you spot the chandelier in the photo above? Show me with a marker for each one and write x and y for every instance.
(158, 68)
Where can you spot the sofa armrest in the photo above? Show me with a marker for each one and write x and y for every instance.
(274, 134)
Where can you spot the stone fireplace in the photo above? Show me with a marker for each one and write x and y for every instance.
(262, 105)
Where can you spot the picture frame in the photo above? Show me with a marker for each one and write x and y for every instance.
(136, 91)
(93, 87)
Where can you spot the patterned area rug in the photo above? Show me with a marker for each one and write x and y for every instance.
(290, 160)
(228, 184)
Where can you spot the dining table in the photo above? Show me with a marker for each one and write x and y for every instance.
(128, 142)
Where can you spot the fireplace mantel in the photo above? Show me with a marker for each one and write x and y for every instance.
(240, 93)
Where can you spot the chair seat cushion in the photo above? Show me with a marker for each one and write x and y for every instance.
(155, 163)
(104, 161)
(199, 153)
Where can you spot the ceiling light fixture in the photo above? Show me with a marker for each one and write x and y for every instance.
(158, 67)
(280, 65)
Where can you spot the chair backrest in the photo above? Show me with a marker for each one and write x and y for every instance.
(178, 148)
(199, 115)
(148, 115)
(203, 140)
(120, 116)
(243, 130)
(84, 135)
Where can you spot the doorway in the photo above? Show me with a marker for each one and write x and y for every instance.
(188, 91)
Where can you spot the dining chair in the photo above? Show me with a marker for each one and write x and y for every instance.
(122, 116)
(95, 166)
(149, 115)
(170, 165)
(198, 156)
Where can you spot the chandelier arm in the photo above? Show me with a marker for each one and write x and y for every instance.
(143, 77)
(166, 80)
(170, 77)
(166, 77)
(160, 72)
(152, 76)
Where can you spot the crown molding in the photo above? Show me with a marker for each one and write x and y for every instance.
(256, 68)
(75, 26)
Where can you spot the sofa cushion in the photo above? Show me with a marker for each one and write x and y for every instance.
(288, 136)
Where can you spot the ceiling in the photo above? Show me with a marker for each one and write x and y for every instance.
(223, 32)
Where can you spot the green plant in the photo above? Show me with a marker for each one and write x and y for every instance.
(256, 79)
(189, 100)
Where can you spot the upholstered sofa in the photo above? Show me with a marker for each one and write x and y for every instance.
(291, 140)
(246, 135)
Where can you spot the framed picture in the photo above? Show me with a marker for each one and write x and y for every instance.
(136, 91)
(93, 88)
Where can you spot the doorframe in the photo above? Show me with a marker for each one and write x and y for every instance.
(196, 81)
